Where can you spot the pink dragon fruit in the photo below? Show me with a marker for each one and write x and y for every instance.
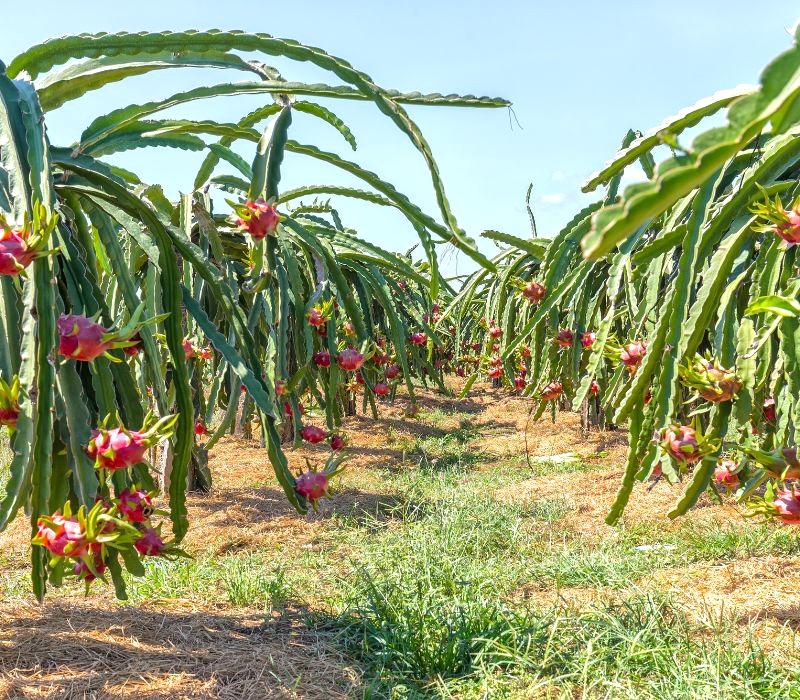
(534, 292)
(768, 410)
(9, 402)
(259, 218)
(82, 339)
(15, 253)
(564, 338)
(594, 387)
(418, 338)
(681, 443)
(789, 229)
(316, 317)
(322, 358)
(312, 486)
(86, 572)
(495, 331)
(350, 359)
(62, 537)
(150, 543)
(337, 442)
(136, 506)
(200, 428)
(787, 506)
(117, 448)
(313, 434)
(632, 355)
(588, 339)
(725, 474)
(519, 383)
(381, 389)
(552, 391)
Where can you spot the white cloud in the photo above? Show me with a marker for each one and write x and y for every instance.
(558, 176)
(555, 198)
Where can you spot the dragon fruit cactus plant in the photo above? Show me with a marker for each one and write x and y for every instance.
(120, 448)
(258, 218)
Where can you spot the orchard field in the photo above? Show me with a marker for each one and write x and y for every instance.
(249, 451)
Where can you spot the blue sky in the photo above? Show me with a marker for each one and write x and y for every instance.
(579, 73)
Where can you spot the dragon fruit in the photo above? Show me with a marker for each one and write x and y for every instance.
(136, 506)
(787, 506)
(392, 371)
(316, 317)
(495, 372)
(594, 387)
(725, 474)
(200, 428)
(681, 443)
(83, 339)
(89, 572)
(312, 434)
(418, 338)
(287, 409)
(768, 410)
(9, 402)
(259, 218)
(133, 350)
(534, 292)
(62, 537)
(711, 381)
(150, 543)
(588, 339)
(381, 389)
(495, 331)
(632, 355)
(18, 248)
(564, 338)
(312, 485)
(119, 448)
(337, 442)
(350, 359)
(552, 391)
(782, 462)
(519, 383)
(322, 358)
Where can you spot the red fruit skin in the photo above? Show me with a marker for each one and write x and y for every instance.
(768, 410)
(381, 389)
(418, 338)
(461, 372)
(496, 372)
(150, 543)
(724, 474)
(117, 449)
(316, 318)
(534, 292)
(8, 416)
(84, 573)
(67, 540)
(519, 383)
(789, 230)
(133, 350)
(322, 358)
(350, 360)
(312, 434)
(261, 220)
(135, 506)
(633, 354)
(594, 387)
(14, 253)
(200, 428)
(681, 444)
(337, 442)
(80, 338)
(588, 339)
(495, 332)
(787, 507)
(392, 371)
(564, 338)
(312, 485)
(552, 391)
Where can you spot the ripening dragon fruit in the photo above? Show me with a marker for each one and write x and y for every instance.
(564, 338)
(15, 253)
(418, 338)
(200, 428)
(768, 410)
(789, 229)
(136, 506)
(117, 448)
(350, 359)
(681, 443)
(588, 339)
(381, 389)
(150, 543)
(519, 383)
(725, 474)
(259, 218)
(80, 338)
(787, 506)
(337, 442)
(316, 317)
(392, 371)
(495, 372)
(322, 358)
(594, 387)
(62, 537)
(312, 434)
(9, 402)
(632, 355)
(86, 572)
(312, 486)
(552, 391)
(534, 292)
(495, 331)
